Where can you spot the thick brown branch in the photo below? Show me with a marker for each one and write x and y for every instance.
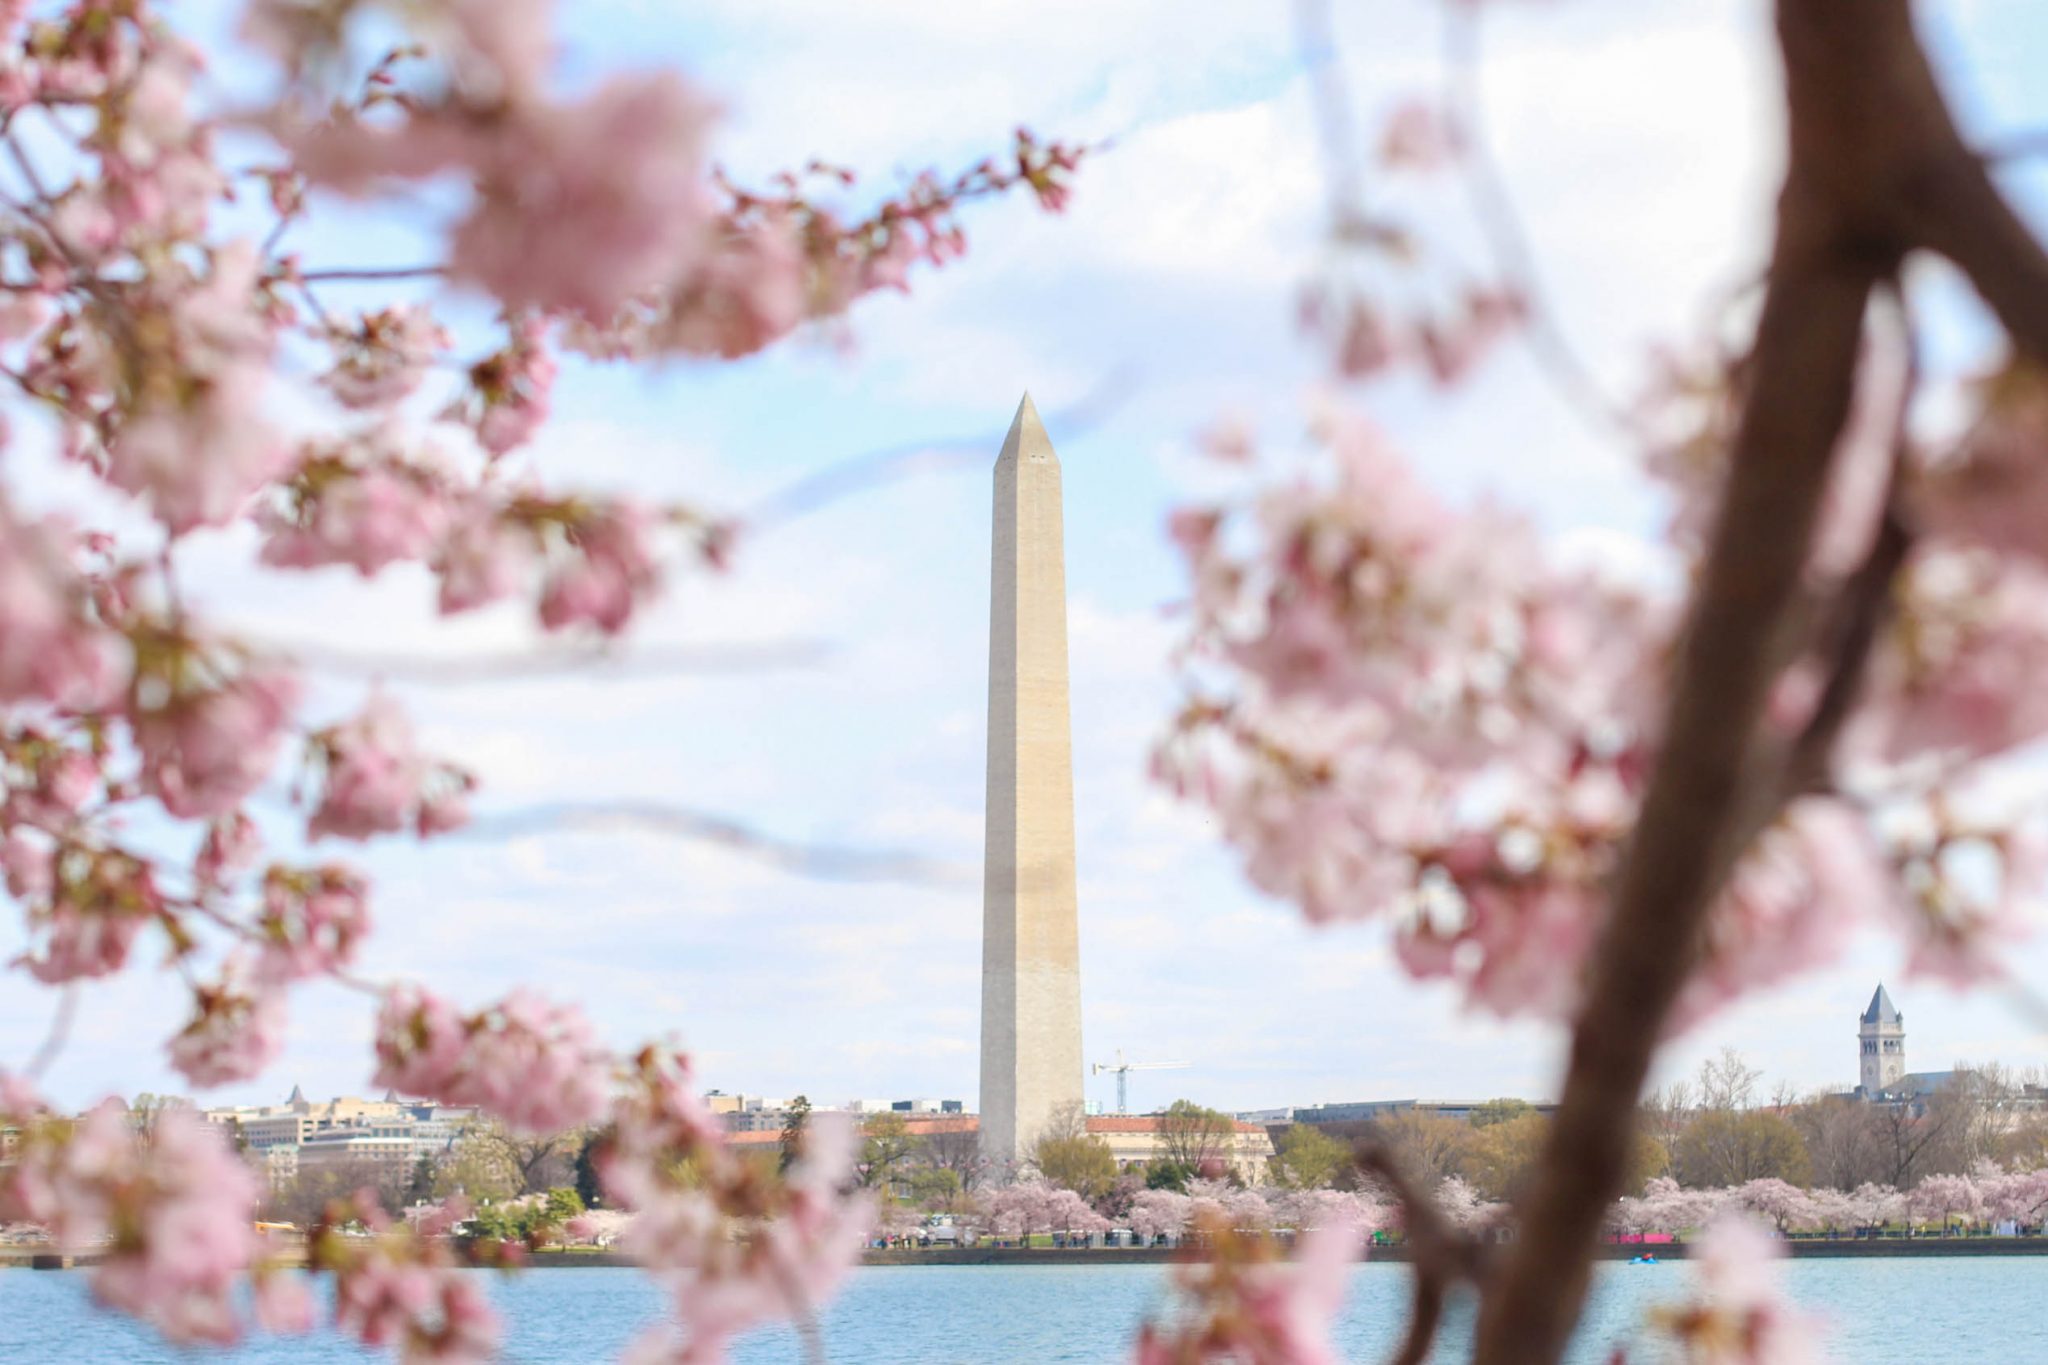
(1844, 84)
(1955, 209)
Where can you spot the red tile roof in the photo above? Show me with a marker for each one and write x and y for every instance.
(924, 1126)
(1144, 1123)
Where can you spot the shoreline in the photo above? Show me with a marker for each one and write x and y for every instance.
(1795, 1249)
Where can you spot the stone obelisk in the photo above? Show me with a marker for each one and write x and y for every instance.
(1030, 944)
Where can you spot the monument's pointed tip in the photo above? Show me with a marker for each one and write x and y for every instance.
(1027, 432)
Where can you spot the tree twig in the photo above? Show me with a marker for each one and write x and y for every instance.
(60, 1033)
(1442, 1256)
(1493, 205)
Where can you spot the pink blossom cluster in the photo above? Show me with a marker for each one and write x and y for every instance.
(534, 1065)
(368, 502)
(776, 259)
(400, 1289)
(1741, 1316)
(208, 727)
(1246, 1306)
(733, 1250)
(1170, 1213)
(175, 350)
(509, 391)
(374, 780)
(85, 905)
(1411, 711)
(383, 358)
(1400, 664)
(364, 502)
(312, 920)
(236, 1030)
(55, 648)
(170, 1209)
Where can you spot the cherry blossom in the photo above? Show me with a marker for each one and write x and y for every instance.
(384, 357)
(53, 649)
(375, 782)
(1740, 1318)
(206, 746)
(731, 1252)
(236, 1030)
(534, 1065)
(193, 440)
(362, 503)
(608, 573)
(509, 391)
(231, 846)
(1252, 1308)
(579, 206)
(312, 920)
(173, 1213)
(396, 1288)
(85, 906)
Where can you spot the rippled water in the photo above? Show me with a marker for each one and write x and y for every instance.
(1880, 1310)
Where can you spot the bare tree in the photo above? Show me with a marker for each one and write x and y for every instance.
(304, 1199)
(1665, 1113)
(539, 1164)
(1195, 1137)
(1427, 1146)
(1069, 1120)
(1727, 1082)
(957, 1148)
(1845, 1144)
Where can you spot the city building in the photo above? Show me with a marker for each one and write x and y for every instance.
(1139, 1139)
(1133, 1140)
(301, 1134)
(755, 1114)
(1369, 1111)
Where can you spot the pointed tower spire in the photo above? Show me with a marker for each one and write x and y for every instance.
(1030, 945)
(1881, 1010)
(1880, 1045)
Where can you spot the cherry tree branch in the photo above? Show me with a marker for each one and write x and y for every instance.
(1859, 94)
(393, 272)
(1954, 208)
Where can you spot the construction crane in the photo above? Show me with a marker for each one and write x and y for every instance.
(1123, 1069)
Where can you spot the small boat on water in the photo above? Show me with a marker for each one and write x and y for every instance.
(1648, 1258)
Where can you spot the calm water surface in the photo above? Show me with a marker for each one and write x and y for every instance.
(1879, 1310)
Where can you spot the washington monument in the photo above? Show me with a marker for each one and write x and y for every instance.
(1030, 949)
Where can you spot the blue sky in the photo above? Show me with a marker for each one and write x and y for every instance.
(1639, 149)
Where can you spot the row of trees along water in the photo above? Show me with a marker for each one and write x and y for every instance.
(1974, 1153)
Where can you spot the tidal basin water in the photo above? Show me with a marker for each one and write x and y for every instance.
(1879, 1310)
